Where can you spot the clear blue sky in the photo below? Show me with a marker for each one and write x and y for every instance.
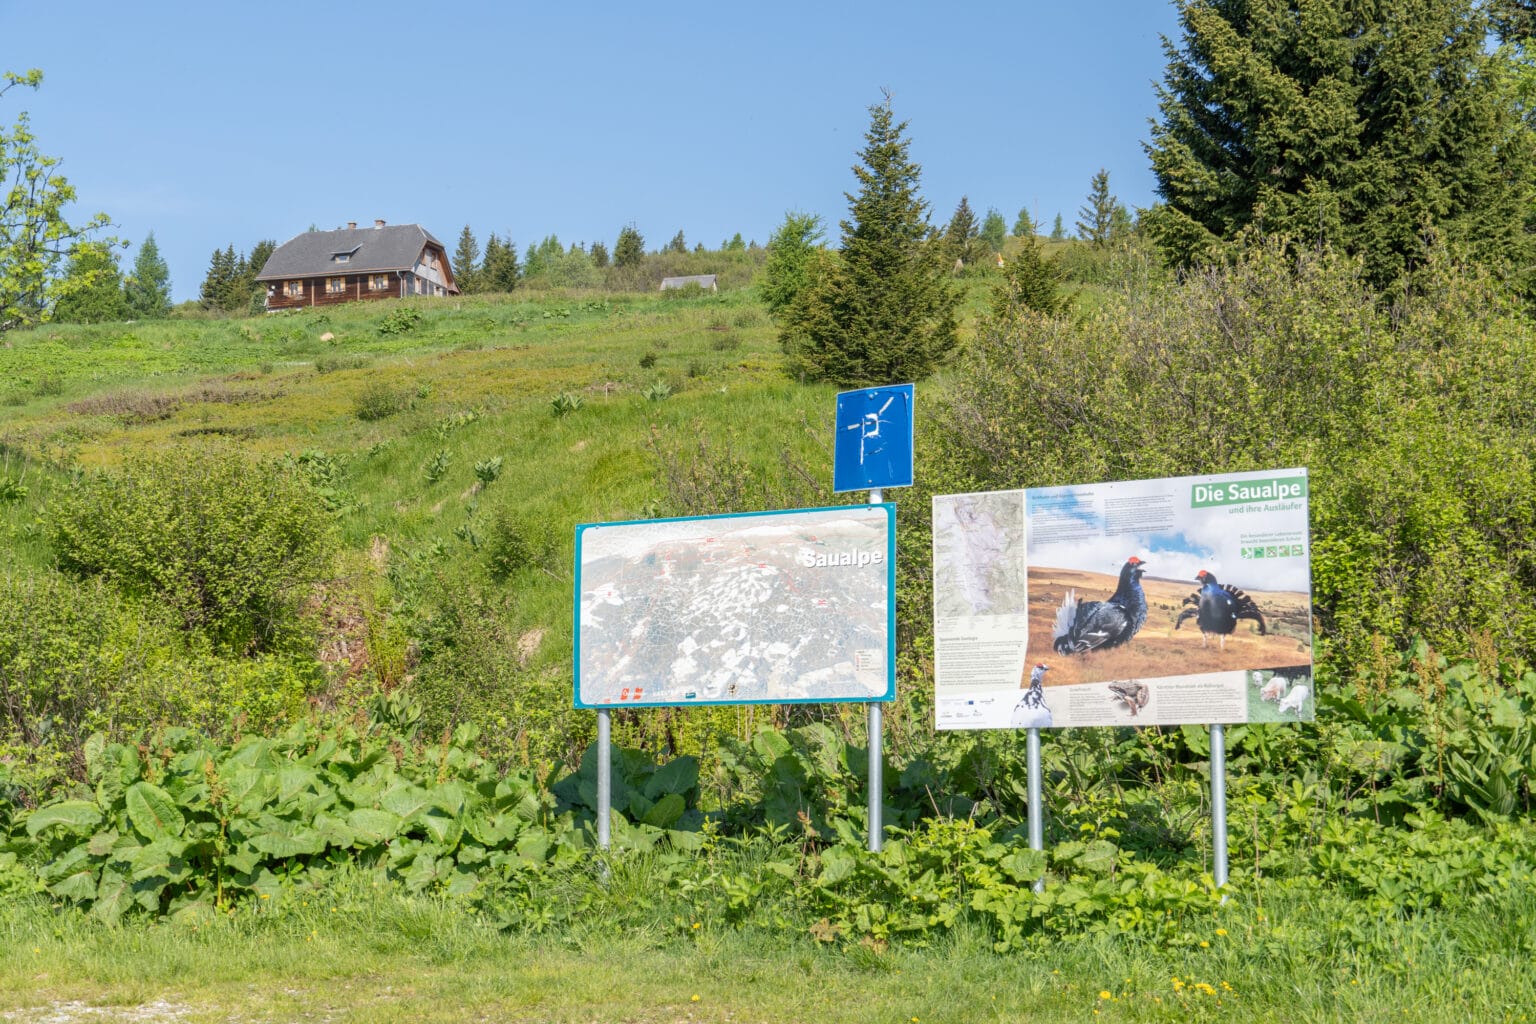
(213, 123)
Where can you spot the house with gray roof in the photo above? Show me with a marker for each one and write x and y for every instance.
(324, 268)
(704, 281)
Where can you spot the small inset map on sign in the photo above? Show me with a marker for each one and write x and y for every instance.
(978, 554)
(776, 607)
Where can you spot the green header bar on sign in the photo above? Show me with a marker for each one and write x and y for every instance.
(1248, 492)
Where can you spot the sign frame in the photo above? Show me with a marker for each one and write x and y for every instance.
(889, 557)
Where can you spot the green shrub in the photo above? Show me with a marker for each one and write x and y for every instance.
(380, 401)
(232, 547)
(400, 321)
(1416, 422)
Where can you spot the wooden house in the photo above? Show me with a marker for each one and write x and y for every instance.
(324, 268)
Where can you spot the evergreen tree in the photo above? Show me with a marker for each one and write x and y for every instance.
(961, 234)
(1023, 225)
(1058, 233)
(736, 244)
(884, 312)
(498, 267)
(1030, 281)
(994, 231)
(466, 262)
(92, 290)
(678, 243)
(792, 250)
(219, 279)
(630, 248)
(1335, 122)
(599, 255)
(1099, 216)
(147, 290)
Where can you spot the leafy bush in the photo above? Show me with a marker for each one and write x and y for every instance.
(1416, 423)
(230, 546)
(401, 321)
(380, 401)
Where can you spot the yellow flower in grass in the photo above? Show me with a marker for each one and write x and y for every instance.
(693, 998)
(1221, 931)
(1105, 994)
(1205, 987)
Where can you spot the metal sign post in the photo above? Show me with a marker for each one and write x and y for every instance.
(876, 756)
(1219, 804)
(872, 448)
(1036, 812)
(604, 779)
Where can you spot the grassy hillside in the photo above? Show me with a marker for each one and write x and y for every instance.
(400, 410)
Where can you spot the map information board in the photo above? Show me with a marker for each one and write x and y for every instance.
(768, 607)
(1146, 602)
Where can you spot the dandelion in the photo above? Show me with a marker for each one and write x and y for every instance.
(697, 925)
(266, 896)
(693, 998)
(1104, 994)
(1221, 931)
(1205, 987)
(1226, 987)
(1205, 944)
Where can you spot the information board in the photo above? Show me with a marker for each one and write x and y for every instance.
(768, 607)
(1148, 602)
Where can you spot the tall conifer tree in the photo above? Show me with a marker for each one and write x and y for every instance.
(466, 262)
(1335, 122)
(884, 312)
(148, 288)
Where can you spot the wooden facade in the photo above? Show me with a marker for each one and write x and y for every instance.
(325, 278)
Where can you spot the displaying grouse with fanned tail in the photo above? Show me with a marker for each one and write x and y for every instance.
(1031, 711)
(1083, 626)
(1216, 609)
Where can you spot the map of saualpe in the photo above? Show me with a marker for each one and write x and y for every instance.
(769, 607)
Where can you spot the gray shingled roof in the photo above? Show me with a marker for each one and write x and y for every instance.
(702, 280)
(392, 247)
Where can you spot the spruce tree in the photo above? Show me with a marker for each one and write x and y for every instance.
(630, 247)
(1030, 281)
(466, 262)
(961, 234)
(994, 231)
(148, 288)
(678, 243)
(599, 255)
(883, 312)
(1024, 224)
(1058, 232)
(498, 267)
(1354, 125)
(1099, 216)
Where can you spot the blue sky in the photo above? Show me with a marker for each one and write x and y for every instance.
(214, 123)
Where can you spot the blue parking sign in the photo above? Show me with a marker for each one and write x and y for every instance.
(873, 446)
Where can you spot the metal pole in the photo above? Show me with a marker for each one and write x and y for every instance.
(1219, 803)
(876, 756)
(604, 779)
(1036, 812)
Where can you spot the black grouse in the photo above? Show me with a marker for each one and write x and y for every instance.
(1090, 625)
(1216, 609)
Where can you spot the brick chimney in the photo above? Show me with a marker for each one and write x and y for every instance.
(378, 223)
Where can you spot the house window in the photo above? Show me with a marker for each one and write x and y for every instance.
(342, 257)
(295, 289)
(378, 282)
(335, 285)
